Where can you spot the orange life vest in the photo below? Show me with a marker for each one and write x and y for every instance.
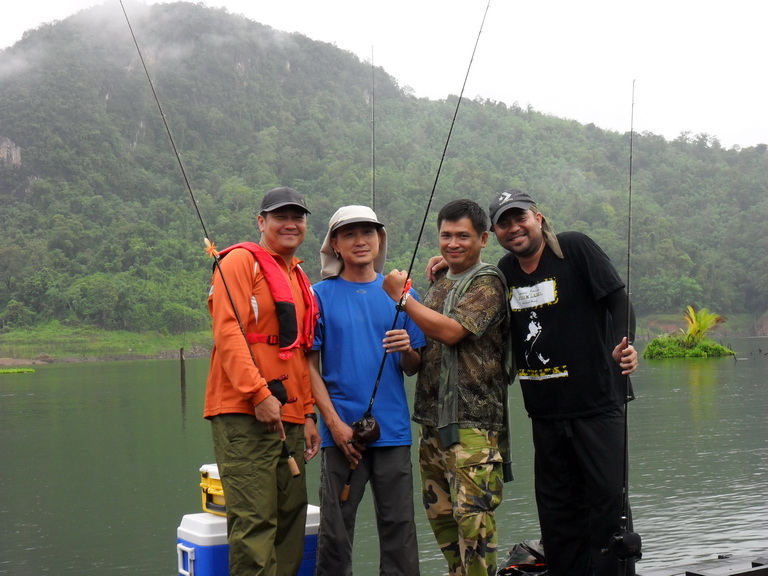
(290, 336)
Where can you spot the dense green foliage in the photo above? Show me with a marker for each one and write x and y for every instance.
(99, 229)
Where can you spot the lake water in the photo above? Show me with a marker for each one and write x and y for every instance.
(99, 462)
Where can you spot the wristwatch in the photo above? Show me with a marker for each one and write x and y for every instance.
(312, 416)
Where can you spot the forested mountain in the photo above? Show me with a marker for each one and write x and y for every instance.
(98, 226)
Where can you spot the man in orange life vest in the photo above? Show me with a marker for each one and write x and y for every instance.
(259, 400)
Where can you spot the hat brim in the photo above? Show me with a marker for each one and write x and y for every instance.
(360, 220)
(506, 207)
(283, 205)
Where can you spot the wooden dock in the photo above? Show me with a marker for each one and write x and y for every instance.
(722, 566)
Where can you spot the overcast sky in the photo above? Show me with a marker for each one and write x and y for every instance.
(699, 66)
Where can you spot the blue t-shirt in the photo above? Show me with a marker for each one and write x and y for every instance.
(354, 318)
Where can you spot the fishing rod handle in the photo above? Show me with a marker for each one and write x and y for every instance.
(294, 467)
(295, 472)
(348, 484)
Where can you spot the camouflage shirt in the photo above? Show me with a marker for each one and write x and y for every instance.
(481, 375)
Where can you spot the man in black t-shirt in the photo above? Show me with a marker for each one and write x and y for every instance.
(572, 327)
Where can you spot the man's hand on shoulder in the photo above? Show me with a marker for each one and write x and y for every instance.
(435, 264)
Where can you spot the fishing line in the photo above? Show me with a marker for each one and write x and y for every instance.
(629, 206)
(367, 429)
(626, 544)
(625, 502)
(407, 286)
(373, 134)
(447, 140)
(210, 246)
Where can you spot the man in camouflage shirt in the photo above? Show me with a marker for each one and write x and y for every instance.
(461, 391)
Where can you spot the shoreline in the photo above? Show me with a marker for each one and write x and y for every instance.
(45, 359)
(12, 362)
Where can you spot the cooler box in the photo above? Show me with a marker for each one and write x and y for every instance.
(202, 549)
(307, 567)
(201, 545)
(213, 493)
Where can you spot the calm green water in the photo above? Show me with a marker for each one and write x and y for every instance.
(100, 461)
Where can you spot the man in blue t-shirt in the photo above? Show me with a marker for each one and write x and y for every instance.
(353, 337)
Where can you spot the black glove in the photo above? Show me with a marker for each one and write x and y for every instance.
(278, 390)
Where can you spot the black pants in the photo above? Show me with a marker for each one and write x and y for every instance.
(579, 468)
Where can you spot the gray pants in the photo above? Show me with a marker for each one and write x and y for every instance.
(389, 472)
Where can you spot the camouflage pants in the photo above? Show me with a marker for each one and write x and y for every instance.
(462, 486)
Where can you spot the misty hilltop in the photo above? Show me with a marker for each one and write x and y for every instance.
(100, 229)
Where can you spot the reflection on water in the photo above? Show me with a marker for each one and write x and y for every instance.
(699, 458)
(100, 462)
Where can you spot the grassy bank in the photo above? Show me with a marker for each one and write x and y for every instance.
(63, 343)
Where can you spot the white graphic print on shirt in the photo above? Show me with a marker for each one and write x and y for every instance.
(530, 298)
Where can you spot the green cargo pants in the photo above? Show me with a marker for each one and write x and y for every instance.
(266, 506)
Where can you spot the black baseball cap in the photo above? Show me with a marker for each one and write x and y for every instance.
(511, 198)
(283, 196)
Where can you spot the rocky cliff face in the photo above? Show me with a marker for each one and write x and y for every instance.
(9, 152)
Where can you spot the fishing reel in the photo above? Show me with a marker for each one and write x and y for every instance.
(625, 545)
(366, 430)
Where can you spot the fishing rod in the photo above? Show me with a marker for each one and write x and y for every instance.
(373, 134)
(209, 245)
(366, 429)
(626, 544)
(629, 208)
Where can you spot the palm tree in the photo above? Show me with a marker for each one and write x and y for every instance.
(699, 325)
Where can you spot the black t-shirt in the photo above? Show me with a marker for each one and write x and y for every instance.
(560, 330)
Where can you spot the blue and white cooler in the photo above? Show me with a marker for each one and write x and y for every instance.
(201, 539)
(201, 545)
